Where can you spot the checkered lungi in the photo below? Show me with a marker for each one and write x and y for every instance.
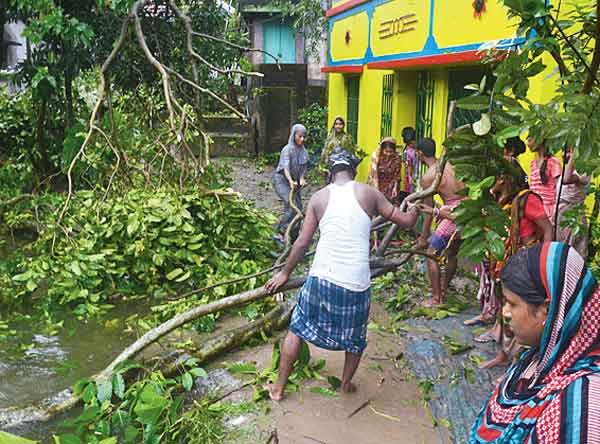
(445, 229)
(332, 317)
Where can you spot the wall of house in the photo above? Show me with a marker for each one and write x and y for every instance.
(15, 54)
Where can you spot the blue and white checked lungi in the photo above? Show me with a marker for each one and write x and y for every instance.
(332, 317)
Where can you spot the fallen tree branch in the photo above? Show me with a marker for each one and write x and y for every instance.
(236, 46)
(236, 280)
(16, 200)
(291, 226)
(593, 68)
(187, 23)
(101, 94)
(276, 318)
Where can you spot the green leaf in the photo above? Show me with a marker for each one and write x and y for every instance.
(131, 434)
(488, 182)
(475, 103)
(304, 356)
(111, 440)
(243, 368)
(173, 274)
(198, 372)
(133, 224)
(323, 391)
(118, 384)
(22, 277)
(104, 389)
(275, 356)
(89, 393)
(470, 231)
(334, 382)
(187, 381)
(7, 438)
(185, 276)
(150, 405)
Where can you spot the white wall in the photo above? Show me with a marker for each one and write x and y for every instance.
(15, 54)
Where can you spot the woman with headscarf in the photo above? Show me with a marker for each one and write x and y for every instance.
(551, 394)
(544, 174)
(386, 167)
(337, 138)
(289, 174)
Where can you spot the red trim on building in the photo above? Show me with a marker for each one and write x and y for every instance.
(350, 69)
(440, 59)
(344, 7)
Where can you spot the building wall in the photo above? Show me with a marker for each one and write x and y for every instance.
(15, 54)
(256, 26)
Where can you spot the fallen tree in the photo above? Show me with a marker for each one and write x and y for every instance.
(277, 318)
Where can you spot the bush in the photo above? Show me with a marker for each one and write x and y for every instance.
(314, 118)
(141, 243)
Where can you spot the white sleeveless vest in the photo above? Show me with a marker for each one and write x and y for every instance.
(342, 255)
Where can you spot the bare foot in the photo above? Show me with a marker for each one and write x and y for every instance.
(348, 388)
(275, 394)
(500, 359)
(473, 321)
(432, 302)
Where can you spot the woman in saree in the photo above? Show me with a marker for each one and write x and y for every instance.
(386, 167)
(551, 394)
(337, 137)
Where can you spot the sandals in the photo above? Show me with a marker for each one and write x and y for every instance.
(478, 320)
(484, 338)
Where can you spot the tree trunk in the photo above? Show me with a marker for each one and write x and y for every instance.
(69, 97)
(42, 165)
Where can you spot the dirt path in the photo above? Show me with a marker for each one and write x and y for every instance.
(253, 181)
(395, 411)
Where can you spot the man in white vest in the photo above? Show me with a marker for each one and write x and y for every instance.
(333, 305)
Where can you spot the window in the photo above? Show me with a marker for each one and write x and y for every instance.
(353, 88)
(386, 105)
(425, 90)
(279, 40)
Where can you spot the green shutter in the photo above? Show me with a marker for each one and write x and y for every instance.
(386, 105)
(353, 88)
(425, 90)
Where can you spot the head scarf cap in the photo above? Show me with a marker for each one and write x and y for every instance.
(389, 141)
(297, 128)
(562, 397)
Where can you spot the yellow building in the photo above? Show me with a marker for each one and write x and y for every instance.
(397, 63)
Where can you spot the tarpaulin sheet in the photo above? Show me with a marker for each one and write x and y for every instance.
(457, 394)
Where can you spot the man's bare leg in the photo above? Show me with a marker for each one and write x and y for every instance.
(452, 262)
(350, 365)
(451, 266)
(433, 270)
(290, 349)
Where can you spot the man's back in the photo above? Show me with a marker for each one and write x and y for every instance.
(342, 255)
(449, 186)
